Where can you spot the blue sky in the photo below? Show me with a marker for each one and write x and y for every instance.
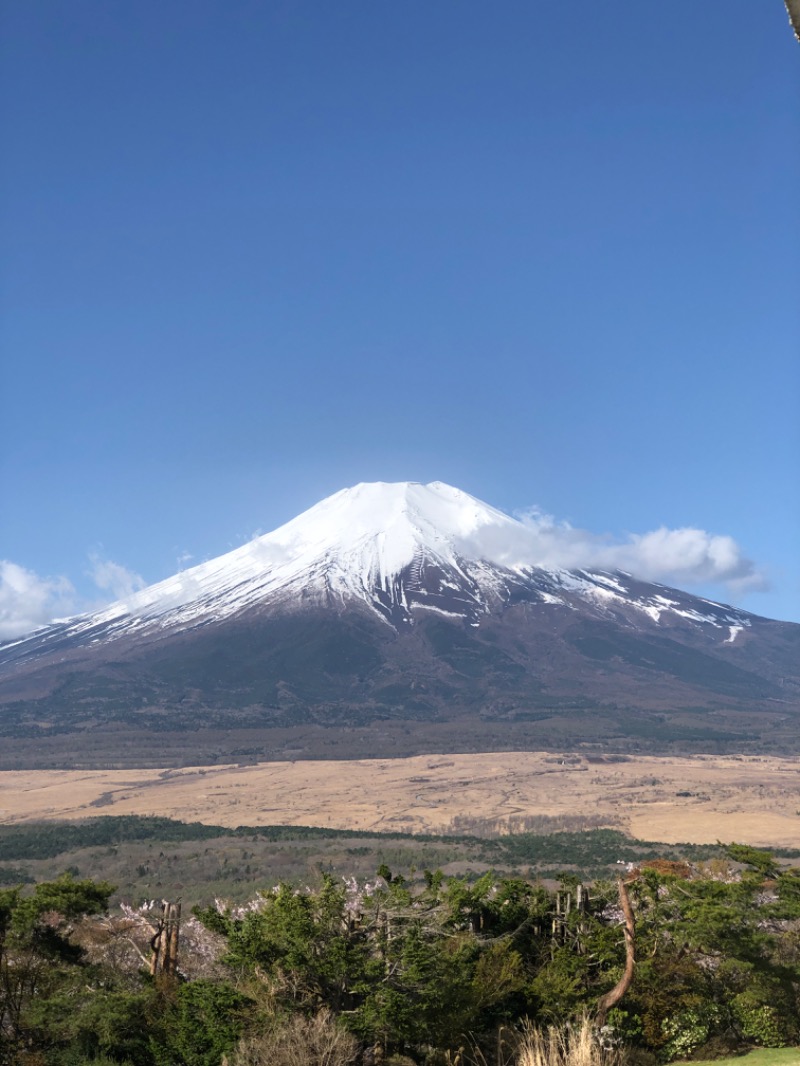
(255, 252)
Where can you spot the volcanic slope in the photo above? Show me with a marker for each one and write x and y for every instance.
(392, 619)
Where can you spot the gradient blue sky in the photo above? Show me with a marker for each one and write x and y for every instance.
(254, 252)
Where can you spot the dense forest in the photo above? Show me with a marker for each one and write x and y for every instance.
(425, 969)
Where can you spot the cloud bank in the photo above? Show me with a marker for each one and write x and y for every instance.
(29, 601)
(681, 557)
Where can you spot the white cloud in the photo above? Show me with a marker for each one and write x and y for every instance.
(28, 601)
(690, 556)
(682, 557)
(113, 578)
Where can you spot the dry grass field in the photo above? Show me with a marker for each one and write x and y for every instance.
(696, 799)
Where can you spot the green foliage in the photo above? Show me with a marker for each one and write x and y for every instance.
(666, 984)
(760, 1022)
(421, 967)
(688, 1029)
(305, 940)
(67, 898)
(38, 960)
(718, 960)
(106, 1025)
(760, 861)
(199, 1023)
(559, 988)
(788, 890)
(415, 967)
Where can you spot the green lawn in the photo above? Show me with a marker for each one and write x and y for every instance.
(780, 1056)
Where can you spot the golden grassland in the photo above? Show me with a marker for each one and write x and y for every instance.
(692, 799)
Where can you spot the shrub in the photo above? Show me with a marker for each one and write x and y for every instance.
(299, 1041)
(759, 1021)
(688, 1030)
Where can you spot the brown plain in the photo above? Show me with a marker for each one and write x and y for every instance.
(693, 799)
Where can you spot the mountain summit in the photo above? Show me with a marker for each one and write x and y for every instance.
(407, 603)
(396, 548)
(372, 542)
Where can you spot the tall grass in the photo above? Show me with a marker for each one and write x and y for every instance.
(568, 1045)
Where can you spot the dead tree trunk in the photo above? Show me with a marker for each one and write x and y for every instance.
(165, 942)
(612, 998)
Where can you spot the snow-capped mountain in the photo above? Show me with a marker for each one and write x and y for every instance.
(409, 602)
(397, 549)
